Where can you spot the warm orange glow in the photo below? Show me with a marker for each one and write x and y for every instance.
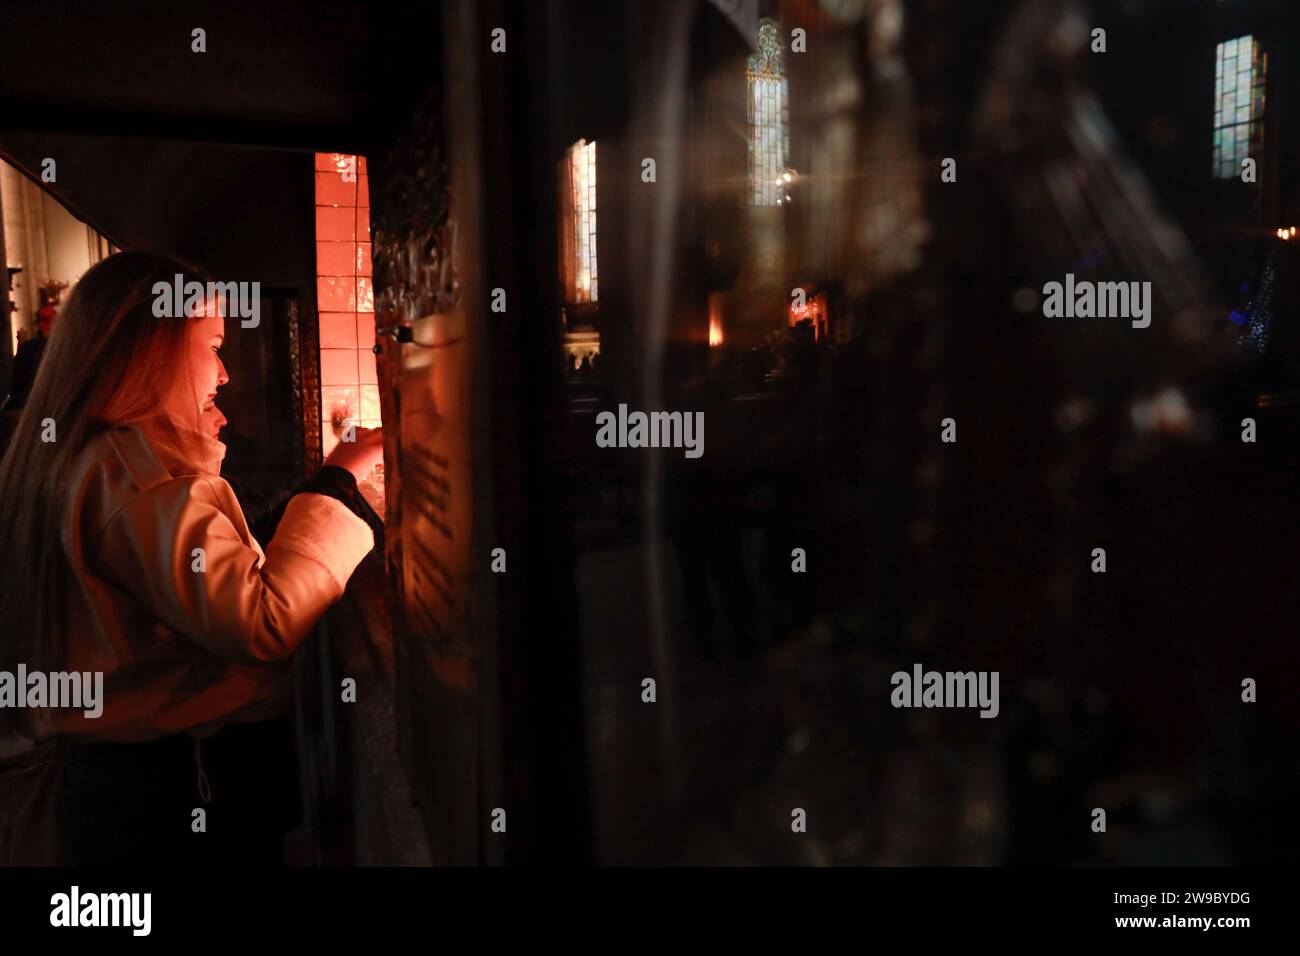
(814, 310)
(578, 223)
(715, 331)
(349, 390)
(581, 346)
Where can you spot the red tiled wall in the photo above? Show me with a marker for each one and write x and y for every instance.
(344, 297)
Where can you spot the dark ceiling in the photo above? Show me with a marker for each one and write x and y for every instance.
(205, 155)
(289, 73)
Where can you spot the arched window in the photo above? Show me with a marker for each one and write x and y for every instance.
(769, 119)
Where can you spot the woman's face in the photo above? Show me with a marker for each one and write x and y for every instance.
(207, 371)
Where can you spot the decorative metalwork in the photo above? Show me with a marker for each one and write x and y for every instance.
(413, 234)
(305, 345)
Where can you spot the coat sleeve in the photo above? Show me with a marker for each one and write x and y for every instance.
(177, 548)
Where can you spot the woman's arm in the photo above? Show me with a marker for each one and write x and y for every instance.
(178, 548)
(330, 480)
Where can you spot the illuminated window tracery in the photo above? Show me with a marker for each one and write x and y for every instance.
(769, 119)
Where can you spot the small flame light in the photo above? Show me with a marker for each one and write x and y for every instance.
(715, 319)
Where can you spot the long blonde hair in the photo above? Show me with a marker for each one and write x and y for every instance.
(109, 362)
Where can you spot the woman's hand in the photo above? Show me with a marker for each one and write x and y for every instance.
(359, 456)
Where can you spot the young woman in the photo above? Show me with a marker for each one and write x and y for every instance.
(124, 552)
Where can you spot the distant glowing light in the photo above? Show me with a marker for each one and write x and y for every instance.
(715, 319)
(1168, 413)
(814, 310)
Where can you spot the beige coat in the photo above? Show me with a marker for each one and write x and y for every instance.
(174, 600)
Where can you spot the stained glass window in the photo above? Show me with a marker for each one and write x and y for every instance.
(1240, 69)
(578, 223)
(769, 119)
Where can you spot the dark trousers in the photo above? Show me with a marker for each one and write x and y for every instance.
(134, 804)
